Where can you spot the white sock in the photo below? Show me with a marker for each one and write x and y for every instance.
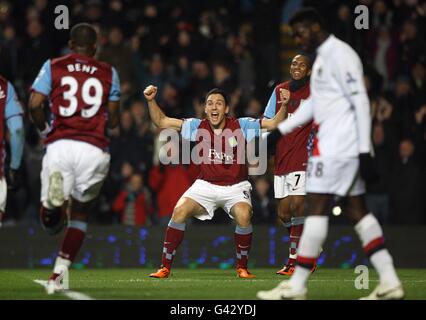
(369, 230)
(299, 278)
(383, 263)
(61, 264)
(313, 237)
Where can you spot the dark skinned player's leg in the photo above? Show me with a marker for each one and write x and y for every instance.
(355, 208)
(284, 215)
(53, 220)
(77, 227)
(74, 234)
(297, 221)
(313, 237)
(284, 212)
(371, 236)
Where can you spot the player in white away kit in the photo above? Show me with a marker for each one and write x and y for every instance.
(341, 160)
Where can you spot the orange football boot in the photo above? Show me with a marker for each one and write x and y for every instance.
(163, 272)
(244, 273)
(287, 270)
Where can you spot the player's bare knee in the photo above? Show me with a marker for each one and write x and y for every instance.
(244, 219)
(298, 208)
(81, 210)
(353, 215)
(79, 216)
(284, 213)
(355, 209)
(180, 214)
(242, 214)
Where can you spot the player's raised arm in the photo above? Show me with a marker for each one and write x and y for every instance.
(271, 124)
(303, 115)
(157, 115)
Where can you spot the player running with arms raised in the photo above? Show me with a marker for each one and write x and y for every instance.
(223, 179)
(291, 156)
(341, 160)
(84, 99)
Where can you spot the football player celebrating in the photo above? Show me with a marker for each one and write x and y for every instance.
(222, 182)
(340, 162)
(291, 157)
(84, 99)
(11, 114)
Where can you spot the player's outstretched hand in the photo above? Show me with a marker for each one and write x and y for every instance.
(367, 168)
(150, 92)
(13, 181)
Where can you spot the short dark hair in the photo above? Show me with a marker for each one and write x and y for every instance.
(308, 58)
(217, 91)
(83, 35)
(307, 15)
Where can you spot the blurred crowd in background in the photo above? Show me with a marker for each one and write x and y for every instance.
(188, 47)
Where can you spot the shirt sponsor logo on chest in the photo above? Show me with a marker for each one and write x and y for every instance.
(220, 156)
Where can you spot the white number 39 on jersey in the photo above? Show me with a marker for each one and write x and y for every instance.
(94, 101)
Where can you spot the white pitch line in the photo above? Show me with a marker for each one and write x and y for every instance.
(68, 293)
(243, 280)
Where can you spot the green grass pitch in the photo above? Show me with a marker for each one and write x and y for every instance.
(185, 284)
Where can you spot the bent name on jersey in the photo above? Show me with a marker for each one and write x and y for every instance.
(78, 67)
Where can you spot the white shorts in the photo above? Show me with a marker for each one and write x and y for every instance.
(291, 184)
(211, 196)
(336, 176)
(82, 165)
(3, 194)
